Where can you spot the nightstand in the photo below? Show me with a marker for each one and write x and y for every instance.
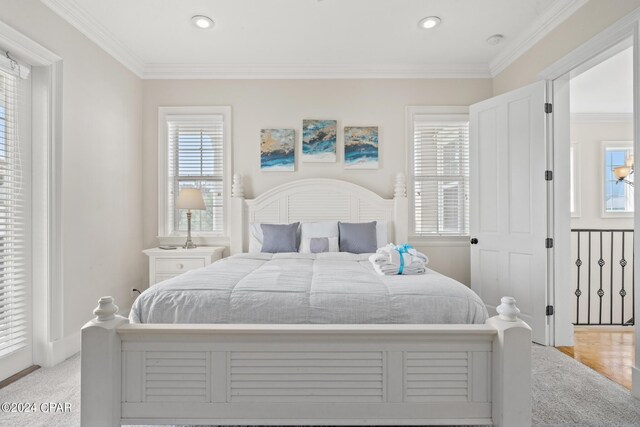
(165, 264)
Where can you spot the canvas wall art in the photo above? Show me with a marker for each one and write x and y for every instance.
(277, 150)
(319, 140)
(361, 147)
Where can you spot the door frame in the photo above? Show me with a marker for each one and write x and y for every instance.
(585, 56)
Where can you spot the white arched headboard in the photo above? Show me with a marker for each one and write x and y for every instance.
(317, 199)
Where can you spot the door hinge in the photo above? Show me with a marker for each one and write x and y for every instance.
(548, 243)
(549, 310)
(548, 175)
(548, 107)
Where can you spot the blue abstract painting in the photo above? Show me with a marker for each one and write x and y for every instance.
(361, 147)
(319, 140)
(277, 151)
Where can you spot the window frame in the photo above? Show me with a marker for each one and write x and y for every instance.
(575, 161)
(166, 233)
(436, 114)
(621, 145)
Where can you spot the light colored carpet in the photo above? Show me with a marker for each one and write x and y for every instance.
(565, 393)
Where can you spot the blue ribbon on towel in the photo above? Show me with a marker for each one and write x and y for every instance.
(402, 249)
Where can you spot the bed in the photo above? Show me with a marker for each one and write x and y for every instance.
(307, 339)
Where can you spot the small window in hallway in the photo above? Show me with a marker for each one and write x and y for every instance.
(617, 194)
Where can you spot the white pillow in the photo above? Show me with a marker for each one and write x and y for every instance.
(309, 230)
(319, 229)
(381, 233)
(255, 238)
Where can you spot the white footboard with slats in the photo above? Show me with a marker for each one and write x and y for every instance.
(305, 374)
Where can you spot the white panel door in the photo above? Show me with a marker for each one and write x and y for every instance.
(508, 204)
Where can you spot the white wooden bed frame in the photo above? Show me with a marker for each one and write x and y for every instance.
(307, 374)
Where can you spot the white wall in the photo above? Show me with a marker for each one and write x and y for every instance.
(101, 174)
(260, 104)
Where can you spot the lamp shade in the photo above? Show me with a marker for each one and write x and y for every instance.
(190, 198)
(621, 172)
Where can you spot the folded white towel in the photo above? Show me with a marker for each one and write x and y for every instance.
(390, 270)
(386, 260)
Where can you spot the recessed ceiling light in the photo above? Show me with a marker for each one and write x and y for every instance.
(202, 22)
(495, 39)
(429, 22)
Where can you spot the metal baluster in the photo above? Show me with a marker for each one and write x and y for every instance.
(623, 293)
(589, 283)
(578, 292)
(600, 291)
(611, 283)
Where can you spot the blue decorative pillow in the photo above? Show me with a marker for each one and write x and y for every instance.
(280, 237)
(358, 238)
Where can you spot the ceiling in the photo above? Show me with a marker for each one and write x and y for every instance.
(605, 88)
(314, 38)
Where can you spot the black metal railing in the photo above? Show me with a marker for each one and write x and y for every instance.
(603, 281)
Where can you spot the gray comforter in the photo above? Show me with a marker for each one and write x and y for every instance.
(305, 288)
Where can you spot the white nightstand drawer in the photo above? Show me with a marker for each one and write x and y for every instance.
(161, 277)
(178, 265)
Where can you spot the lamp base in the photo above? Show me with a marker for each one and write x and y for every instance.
(189, 245)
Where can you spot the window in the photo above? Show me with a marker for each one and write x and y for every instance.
(194, 145)
(440, 172)
(14, 273)
(617, 196)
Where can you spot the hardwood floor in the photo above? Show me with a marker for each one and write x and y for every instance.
(610, 353)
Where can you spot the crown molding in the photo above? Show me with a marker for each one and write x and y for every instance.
(75, 15)
(315, 71)
(553, 16)
(602, 117)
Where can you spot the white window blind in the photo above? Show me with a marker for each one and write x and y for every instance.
(441, 177)
(196, 160)
(13, 308)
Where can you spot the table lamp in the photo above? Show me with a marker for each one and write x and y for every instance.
(190, 198)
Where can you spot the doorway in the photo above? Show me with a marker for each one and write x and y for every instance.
(593, 201)
(601, 196)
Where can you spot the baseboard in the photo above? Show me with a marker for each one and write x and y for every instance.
(64, 348)
(19, 375)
